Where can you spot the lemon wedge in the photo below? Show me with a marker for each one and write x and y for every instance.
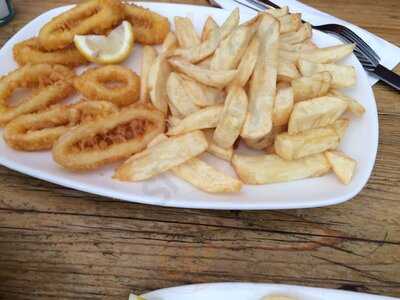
(110, 49)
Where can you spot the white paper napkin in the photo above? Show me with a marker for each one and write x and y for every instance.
(389, 53)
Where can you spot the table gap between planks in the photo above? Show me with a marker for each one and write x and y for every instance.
(57, 243)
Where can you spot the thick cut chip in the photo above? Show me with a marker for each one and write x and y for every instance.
(157, 81)
(170, 43)
(205, 118)
(343, 166)
(283, 104)
(149, 56)
(162, 157)
(178, 96)
(354, 106)
(200, 174)
(209, 26)
(214, 149)
(287, 71)
(232, 118)
(304, 33)
(304, 46)
(206, 48)
(318, 112)
(213, 78)
(328, 54)
(306, 143)
(263, 82)
(247, 63)
(277, 12)
(290, 22)
(317, 85)
(185, 32)
(206, 177)
(266, 141)
(342, 76)
(200, 94)
(341, 126)
(228, 54)
(270, 168)
(319, 55)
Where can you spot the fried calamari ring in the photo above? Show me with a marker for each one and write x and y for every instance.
(50, 84)
(110, 83)
(30, 51)
(150, 28)
(91, 17)
(94, 144)
(39, 131)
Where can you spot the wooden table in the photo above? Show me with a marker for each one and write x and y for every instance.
(57, 243)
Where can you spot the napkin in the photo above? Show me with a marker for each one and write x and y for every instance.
(389, 53)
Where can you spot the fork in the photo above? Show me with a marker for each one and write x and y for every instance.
(368, 58)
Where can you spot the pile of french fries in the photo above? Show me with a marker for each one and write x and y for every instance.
(263, 83)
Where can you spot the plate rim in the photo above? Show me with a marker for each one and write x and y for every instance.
(154, 200)
(317, 290)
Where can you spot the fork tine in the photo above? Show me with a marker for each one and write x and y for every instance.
(260, 5)
(246, 5)
(363, 45)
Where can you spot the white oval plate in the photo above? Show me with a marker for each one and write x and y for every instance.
(254, 291)
(360, 142)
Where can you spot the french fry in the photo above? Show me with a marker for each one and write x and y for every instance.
(202, 95)
(287, 71)
(308, 142)
(209, 26)
(354, 106)
(162, 157)
(201, 174)
(319, 55)
(277, 12)
(283, 104)
(318, 112)
(227, 56)
(265, 141)
(343, 166)
(174, 111)
(173, 121)
(342, 76)
(270, 168)
(328, 54)
(341, 126)
(317, 85)
(214, 149)
(302, 34)
(178, 97)
(158, 139)
(170, 43)
(205, 63)
(205, 118)
(206, 48)
(185, 32)
(232, 118)
(149, 56)
(213, 78)
(289, 22)
(206, 178)
(157, 78)
(263, 82)
(304, 46)
(247, 63)
(290, 56)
